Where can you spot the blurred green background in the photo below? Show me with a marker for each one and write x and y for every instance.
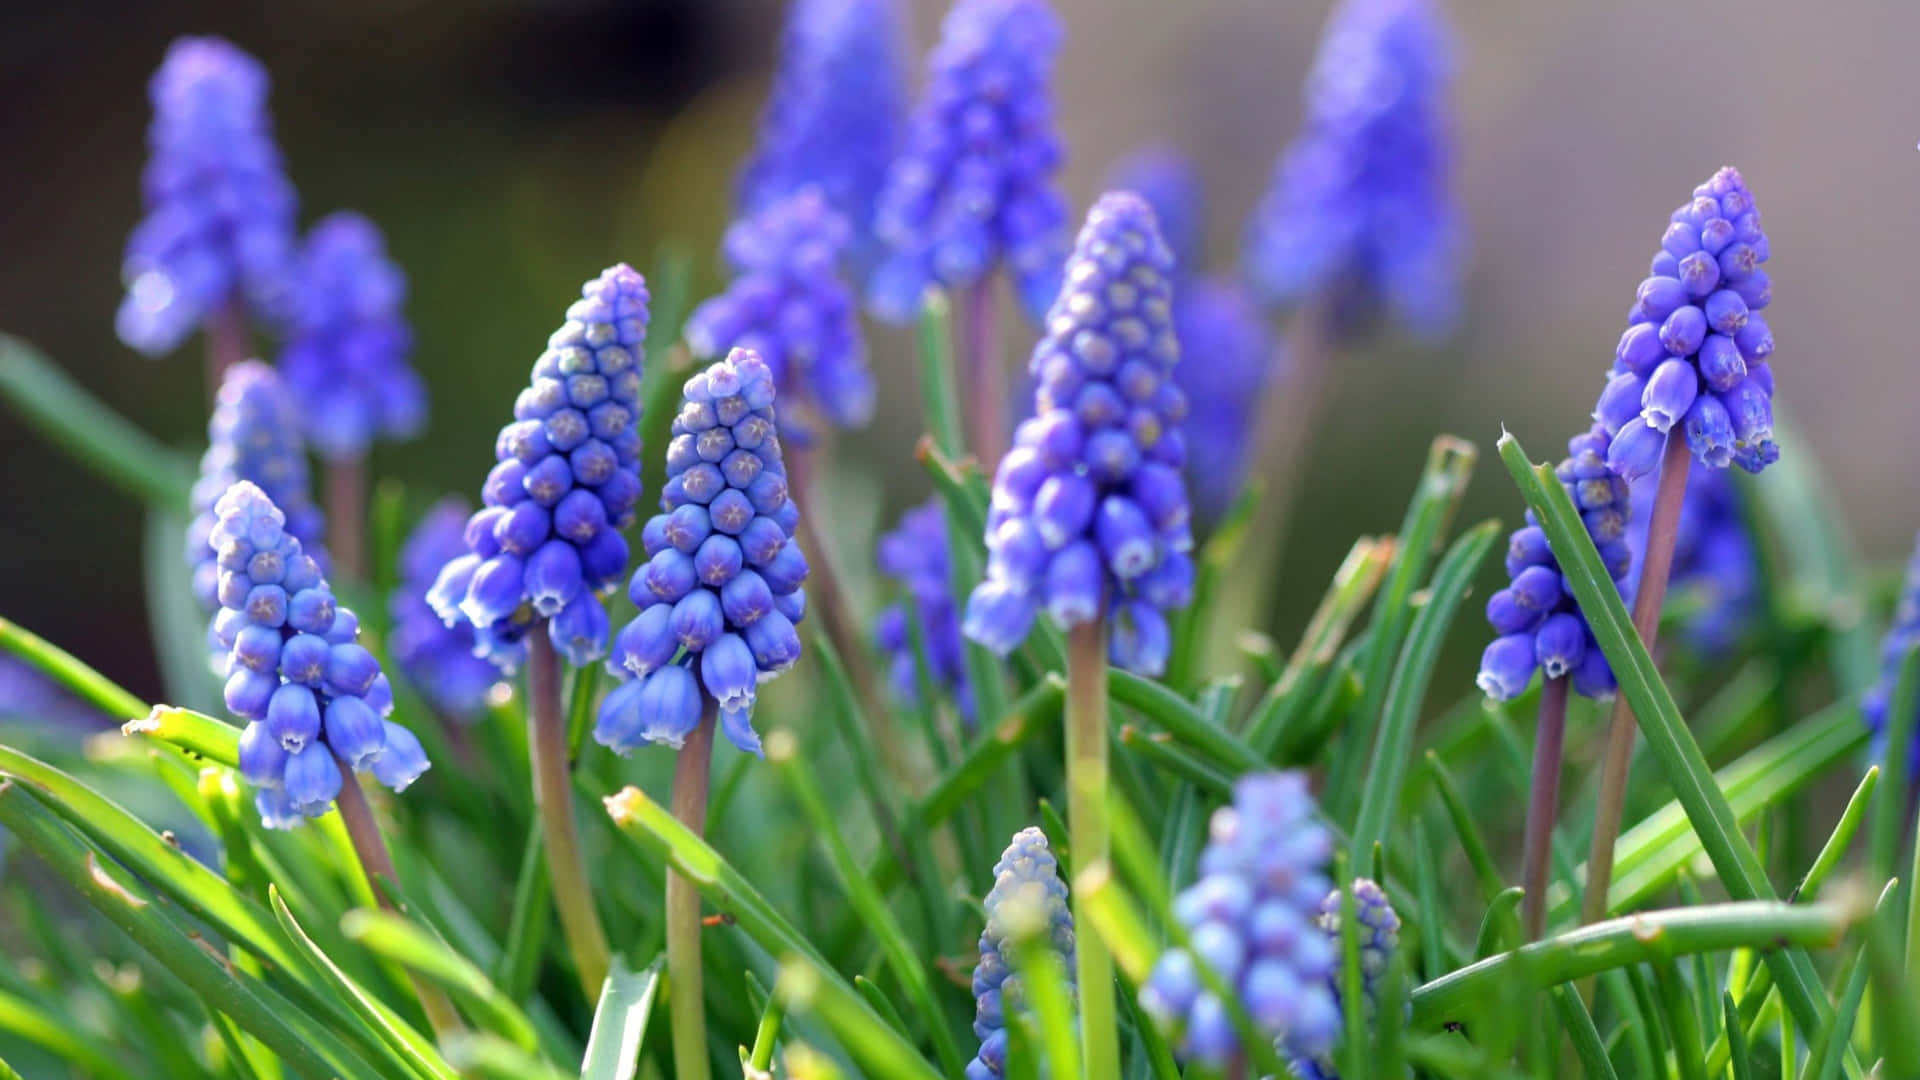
(510, 149)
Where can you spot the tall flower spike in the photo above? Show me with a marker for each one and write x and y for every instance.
(1028, 902)
(254, 435)
(719, 595)
(1379, 939)
(436, 657)
(1713, 558)
(1089, 512)
(566, 484)
(1540, 626)
(1251, 919)
(915, 555)
(1902, 637)
(1362, 211)
(788, 304)
(347, 360)
(313, 698)
(976, 183)
(836, 112)
(1695, 358)
(220, 213)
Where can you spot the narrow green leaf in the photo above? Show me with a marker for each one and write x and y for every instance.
(1582, 1034)
(620, 1022)
(1044, 981)
(405, 943)
(519, 962)
(483, 1055)
(196, 734)
(1159, 749)
(1841, 839)
(939, 390)
(1356, 1046)
(69, 671)
(1891, 815)
(882, 1006)
(1736, 1035)
(806, 986)
(66, 415)
(61, 1035)
(1179, 717)
(1475, 848)
(1499, 927)
(1683, 1025)
(1353, 585)
(767, 1034)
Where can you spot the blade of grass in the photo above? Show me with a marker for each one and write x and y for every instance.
(1353, 585)
(401, 941)
(1583, 1035)
(620, 1022)
(92, 434)
(60, 1035)
(805, 986)
(1471, 843)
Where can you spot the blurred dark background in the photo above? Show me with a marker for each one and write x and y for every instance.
(510, 149)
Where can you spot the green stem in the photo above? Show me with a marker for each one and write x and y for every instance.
(1087, 816)
(553, 798)
(1542, 804)
(686, 995)
(346, 495)
(938, 395)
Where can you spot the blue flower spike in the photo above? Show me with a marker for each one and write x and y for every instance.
(437, 658)
(1379, 939)
(1028, 903)
(566, 483)
(720, 593)
(1089, 517)
(915, 554)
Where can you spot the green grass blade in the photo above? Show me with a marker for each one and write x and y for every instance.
(1185, 722)
(1044, 981)
(197, 734)
(1683, 1024)
(767, 1034)
(395, 938)
(66, 415)
(485, 1056)
(519, 962)
(805, 986)
(1582, 1034)
(69, 671)
(1354, 583)
(1500, 926)
(1471, 843)
(620, 1022)
(61, 1035)
(1736, 1035)
(939, 392)
(1891, 814)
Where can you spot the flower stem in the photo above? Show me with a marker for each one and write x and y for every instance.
(553, 800)
(686, 994)
(985, 374)
(377, 863)
(1649, 595)
(227, 344)
(1088, 835)
(347, 516)
(1543, 803)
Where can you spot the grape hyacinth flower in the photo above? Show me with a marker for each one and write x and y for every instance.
(1539, 625)
(566, 484)
(915, 554)
(1902, 637)
(314, 700)
(219, 226)
(836, 112)
(1028, 902)
(976, 183)
(1362, 212)
(1251, 918)
(437, 657)
(788, 305)
(346, 361)
(720, 593)
(1696, 354)
(254, 435)
(1089, 515)
(1379, 938)
(1713, 558)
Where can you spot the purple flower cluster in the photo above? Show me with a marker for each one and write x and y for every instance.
(1251, 918)
(788, 305)
(313, 699)
(254, 435)
(976, 184)
(1028, 902)
(836, 111)
(1379, 938)
(1362, 211)
(219, 229)
(437, 657)
(1540, 626)
(721, 584)
(916, 555)
(346, 361)
(566, 484)
(1713, 557)
(1902, 638)
(1695, 354)
(1089, 513)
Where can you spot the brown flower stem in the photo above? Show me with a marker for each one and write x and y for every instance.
(686, 995)
(553, 800)
(1543, 803)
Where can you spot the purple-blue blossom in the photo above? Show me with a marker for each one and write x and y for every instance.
(315, 700)
(720, 593)
(436, 657)
(1379, 939)
(1715, 566)
(1027, 904)
(1902, 638)
(788, 304)
(346, 360)
(254, 435)
(565, 484)
(1696, 356)
(1252, 919)
(219, 226)
(976, 185)
(915, 554)
(1361, 213)
(1537, 623)
(1089, 518)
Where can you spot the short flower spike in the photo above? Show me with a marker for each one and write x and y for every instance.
(915, 554)
(437, 658)
(1251, 918)
(314, 700)
(976, 185)
(219, 226)
(1379, 939)
(1695, 358)
(1028, 902)
(1089, 515)
(1362, 211)
(1902, 637)
(566, 484)
(1539, 625)
(720, 593)
(254, 435)
(788, 304)
(346, 362)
